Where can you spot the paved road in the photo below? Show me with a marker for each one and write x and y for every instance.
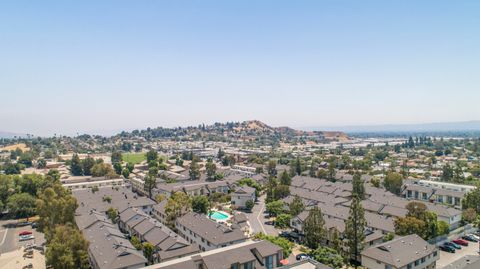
(257, 219)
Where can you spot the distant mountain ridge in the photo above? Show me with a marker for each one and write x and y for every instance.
(426, 127)
(10, 135)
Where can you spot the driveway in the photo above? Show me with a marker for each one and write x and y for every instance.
(257, 219)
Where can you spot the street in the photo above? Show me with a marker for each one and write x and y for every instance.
(257, 219)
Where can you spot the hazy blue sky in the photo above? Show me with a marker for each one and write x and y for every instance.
(76, 66)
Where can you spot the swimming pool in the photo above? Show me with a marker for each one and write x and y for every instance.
(218, 215)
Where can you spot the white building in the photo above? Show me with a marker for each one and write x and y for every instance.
(241, 195)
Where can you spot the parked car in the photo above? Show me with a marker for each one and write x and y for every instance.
(24, 223)
(474, 236)
(26, 237)
(302, 256)
(34, 225)
(447, 248)
(24, 233)
(469, 238)
(453, 245)
(284, 234)
(460, 242)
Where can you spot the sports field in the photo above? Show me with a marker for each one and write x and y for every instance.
(134, 157)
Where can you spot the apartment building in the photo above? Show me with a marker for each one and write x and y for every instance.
(206, 233)
(408, 252)
(246, 255)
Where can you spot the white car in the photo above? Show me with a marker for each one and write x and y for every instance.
(27, 237)
(475, 236)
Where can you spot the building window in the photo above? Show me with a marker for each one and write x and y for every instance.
(234, 266)
(423, 259)
(388, 266)
(248, 265)
(417, 262)
(269, 262)
(409, 266)
(434, 254)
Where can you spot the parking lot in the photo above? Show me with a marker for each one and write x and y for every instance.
(10, 239)
(446, 258)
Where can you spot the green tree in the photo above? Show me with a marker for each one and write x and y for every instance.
(443, 227)
(150, 183)
(283, 221)
(331, 170)
(388, 237)
(118, 168)
(296, 206)
(314, 228)
(274, 208)
(112, 214)
(211, 169)
(103, 170)
(251, 183)
(178, 204)
(283, 243)
(469, 215)
(136, 242)
(41, 163)
(130, 167)
(200, 204)
(355, 229)
(409, 225)
(55, 206)
(272, 168)
(447, 173)
(87, 165)
(67, 249)
(472, 200)
(270, 189)
(375, 182)
(335, 241)
(194, 170)
(281, 191)
(148, 251)
(26, 158)
(296, 167)
(151, 155)
(393, 182)
(249, 204)
(285, 179)
(21, 205)
(116, 157)
(358, 187)
(328, 256)
(125, 172)
(76, 166)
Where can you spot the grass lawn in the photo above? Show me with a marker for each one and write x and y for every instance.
(134, 157)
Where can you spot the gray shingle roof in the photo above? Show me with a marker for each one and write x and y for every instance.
(210, 230)
(401, 251)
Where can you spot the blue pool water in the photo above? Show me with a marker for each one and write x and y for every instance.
(218, 215)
